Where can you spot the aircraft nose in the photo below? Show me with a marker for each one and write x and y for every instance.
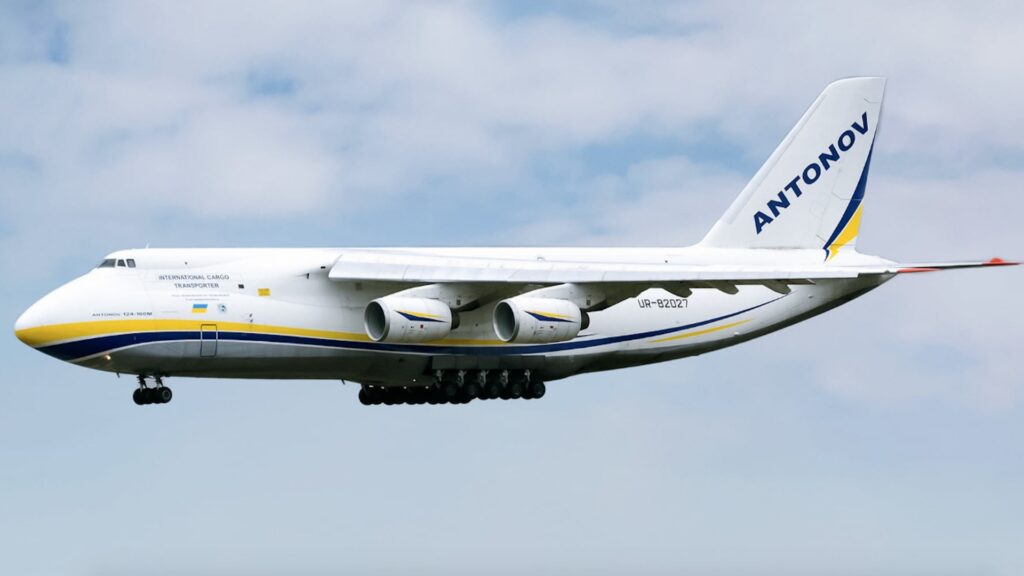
(42, 323)
(29, 319)
(54, 324)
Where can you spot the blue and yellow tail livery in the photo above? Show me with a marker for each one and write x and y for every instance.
(809, 193)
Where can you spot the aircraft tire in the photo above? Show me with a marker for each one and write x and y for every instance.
(537, 390)
(493, 390)
(399, 395)
(420, 395)
(449, 390)
(163, 395)
(515, 388)
(377, 395)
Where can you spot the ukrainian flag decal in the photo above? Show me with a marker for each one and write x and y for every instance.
(199, 308)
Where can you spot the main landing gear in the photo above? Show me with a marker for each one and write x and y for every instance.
(459, 387)
(160, 394)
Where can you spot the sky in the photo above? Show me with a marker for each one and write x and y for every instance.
(885, 437)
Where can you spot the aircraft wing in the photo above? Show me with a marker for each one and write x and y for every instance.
(416, 268)
(426, 268)
(374, 265)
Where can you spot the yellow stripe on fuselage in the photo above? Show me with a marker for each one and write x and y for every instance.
(52, 334)
(701, 332)
(468, 342)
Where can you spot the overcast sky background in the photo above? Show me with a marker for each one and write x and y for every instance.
(886, 437)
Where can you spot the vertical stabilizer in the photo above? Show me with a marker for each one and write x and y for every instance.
(809, 192)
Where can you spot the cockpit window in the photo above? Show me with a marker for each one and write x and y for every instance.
(117, 263)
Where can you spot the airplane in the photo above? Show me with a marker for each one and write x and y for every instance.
(453, 325)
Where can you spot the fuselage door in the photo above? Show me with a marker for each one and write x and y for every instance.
(208, 340)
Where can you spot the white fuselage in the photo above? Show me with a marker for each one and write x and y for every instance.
(274, 313)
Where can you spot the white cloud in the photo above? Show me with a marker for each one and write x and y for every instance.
(669, 201)
(234, 161)
(389, 96)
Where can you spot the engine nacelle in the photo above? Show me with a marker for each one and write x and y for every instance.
(399, 319)
(538, 320)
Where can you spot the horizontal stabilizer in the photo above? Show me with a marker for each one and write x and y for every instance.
(939, 266)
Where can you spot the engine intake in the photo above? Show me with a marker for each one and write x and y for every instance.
(538, 320)
(398, 319)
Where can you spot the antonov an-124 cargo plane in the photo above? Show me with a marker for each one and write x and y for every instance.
(450, 325)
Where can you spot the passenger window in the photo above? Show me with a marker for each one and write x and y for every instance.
(131, 263)
(108, 263)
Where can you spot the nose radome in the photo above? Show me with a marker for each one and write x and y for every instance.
(35, 326)
(23, 325)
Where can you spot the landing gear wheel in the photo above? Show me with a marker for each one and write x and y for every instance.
(376, 395)
(465, 397)
(142, 395)
(364, 397)
(401, 395)
(492, 390)
(163, 395)
(449, 390)
(496, 380)
(515, 388)
(476, 384)
(433, 396)
(419, 395)
(536, 390)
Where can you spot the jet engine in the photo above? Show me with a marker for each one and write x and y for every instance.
(538, 320)
(399, 319)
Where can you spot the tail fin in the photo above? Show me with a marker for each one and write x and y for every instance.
(809, 192)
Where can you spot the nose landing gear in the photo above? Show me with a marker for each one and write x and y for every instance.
(160, 394)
